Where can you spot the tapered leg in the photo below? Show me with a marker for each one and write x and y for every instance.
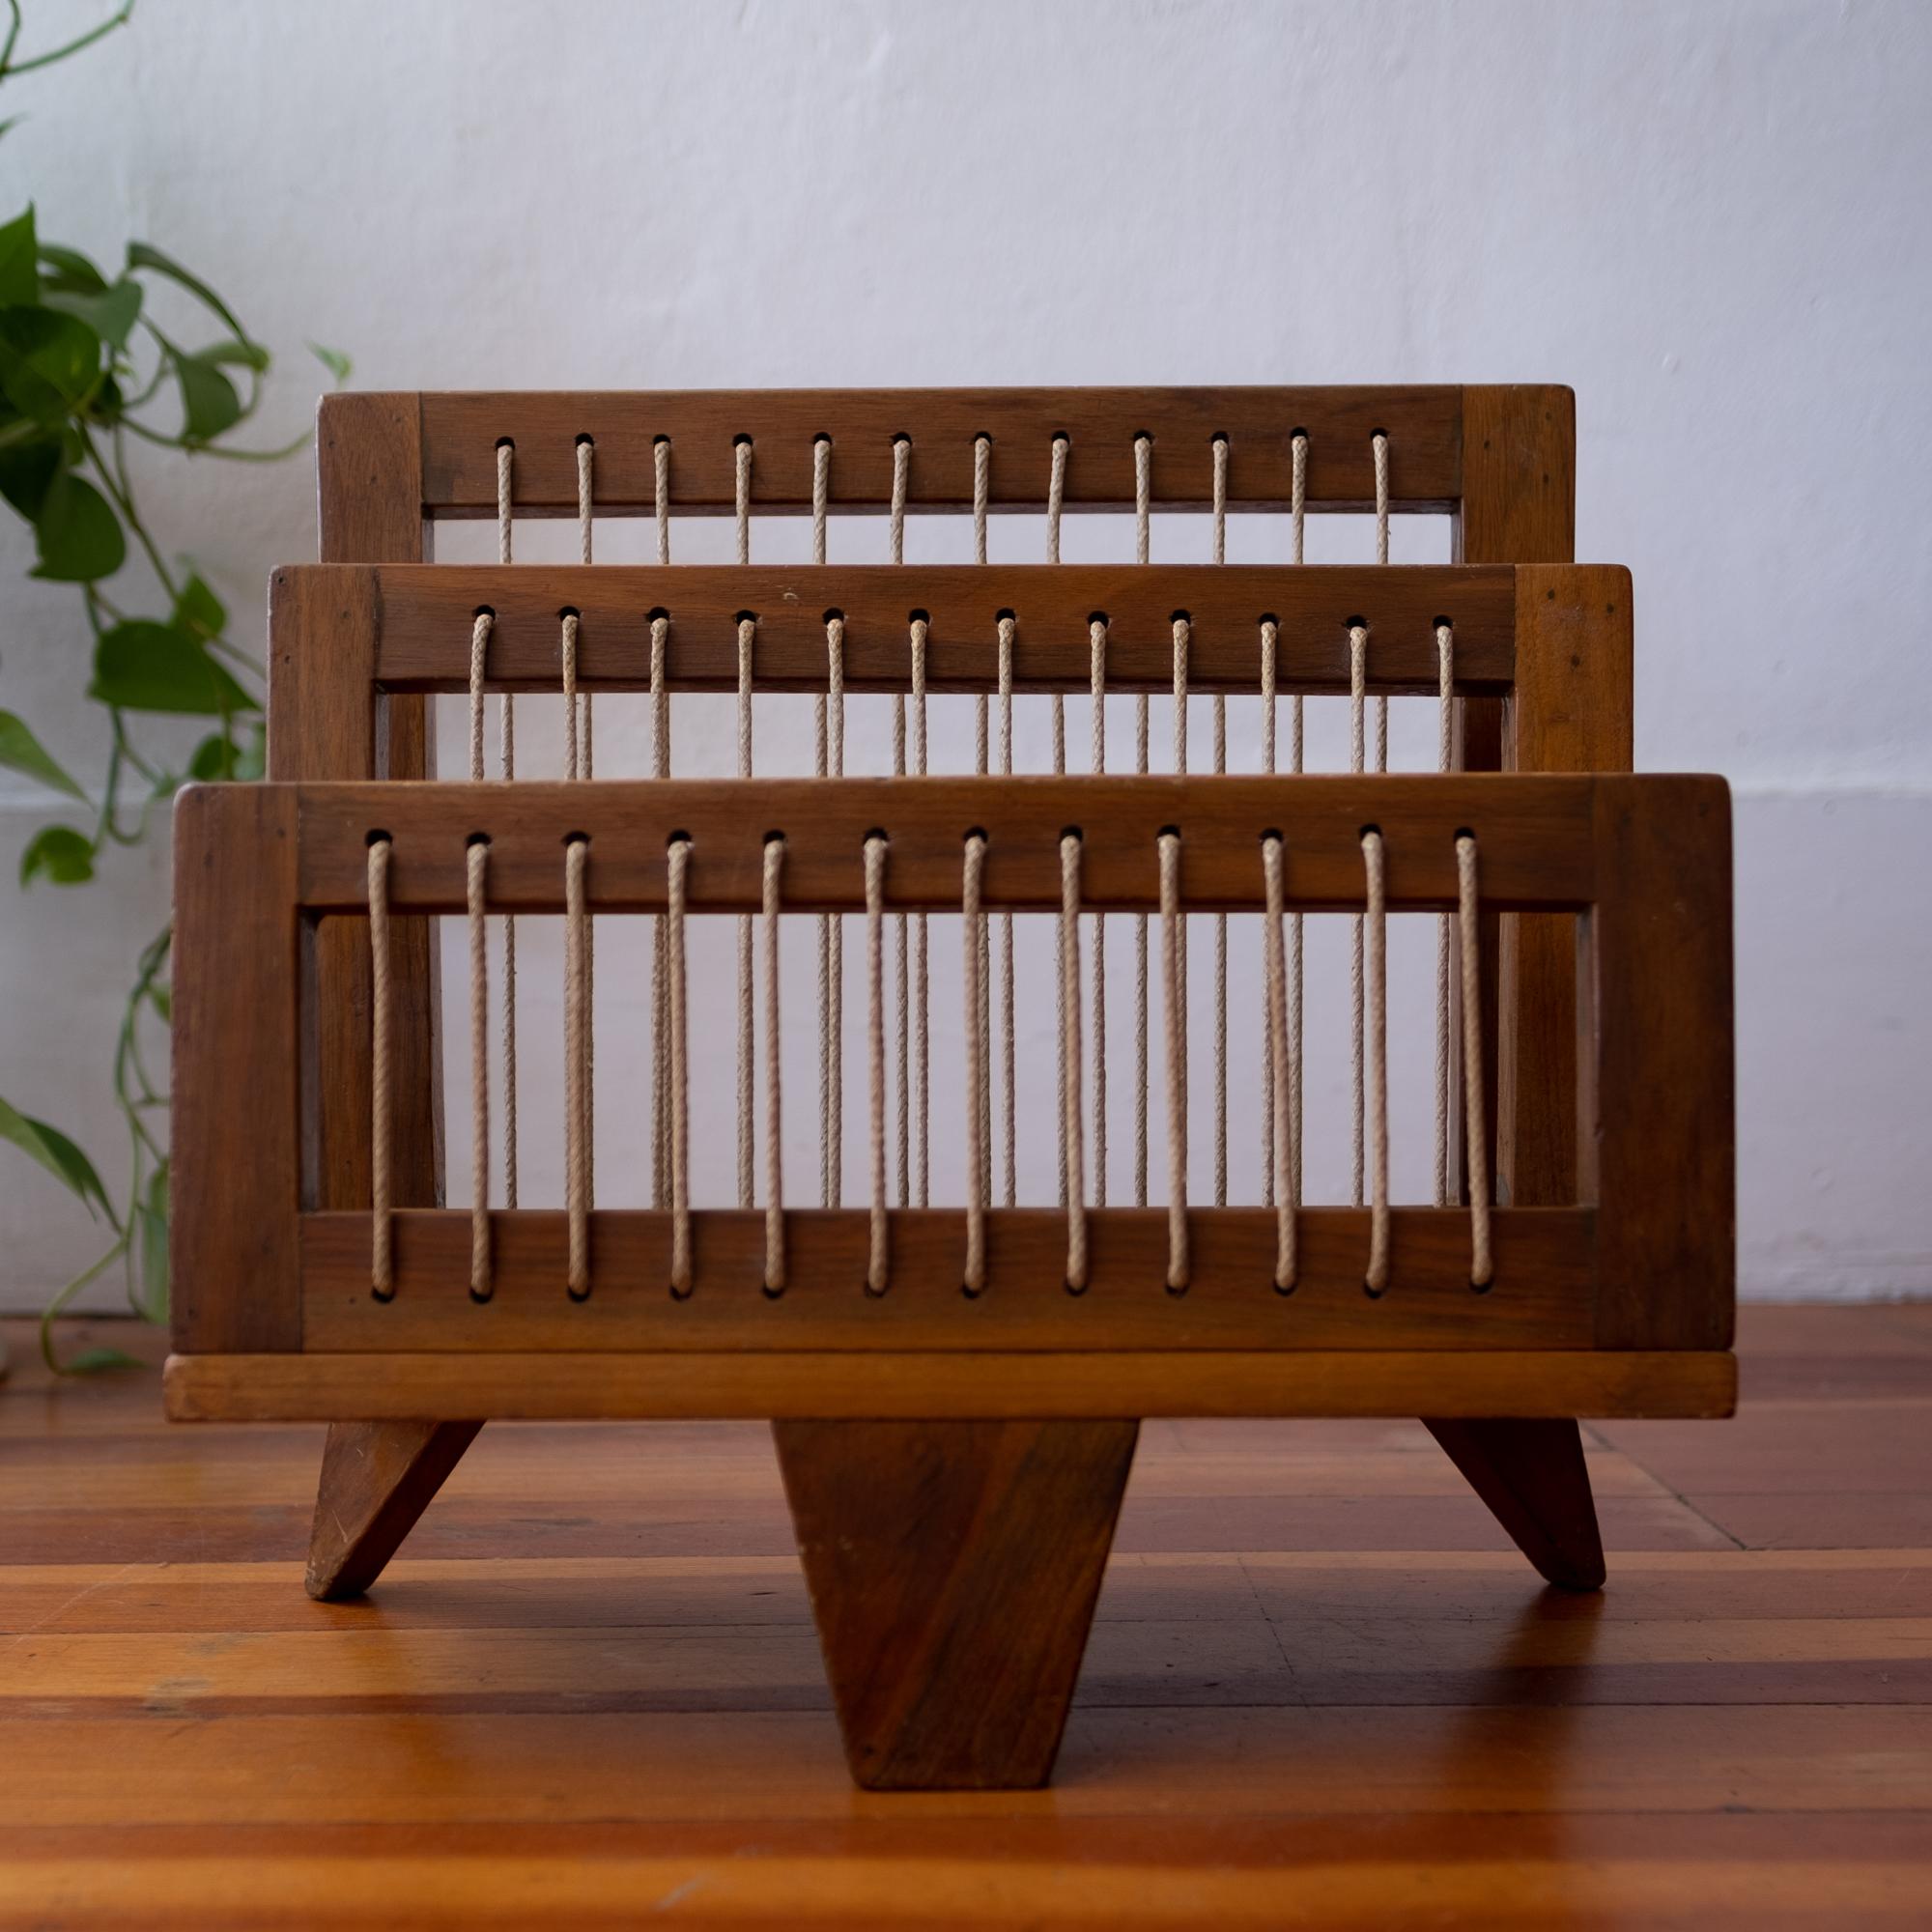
(953, 1568)
(1532, 1475)
(376, 1478)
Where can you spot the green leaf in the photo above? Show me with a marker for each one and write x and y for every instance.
(209, 402)
(162, 1000)
(214, 759)
(241, 353)
(110, 313)
(91, 1361)
(69, 271)
(20, 278)
(49, 364)
(80, 539)
(333, 360)
(140, 255)
(252, 759)
(27, 471)
(149, 667)
(199, 610)
(56, 1154)
(152, 1217)
(60, 854)
(21, 752)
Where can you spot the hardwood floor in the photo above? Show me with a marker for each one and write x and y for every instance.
(1321, 1690)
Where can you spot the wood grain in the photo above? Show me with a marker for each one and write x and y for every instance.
(885, 1387)
(461, 432)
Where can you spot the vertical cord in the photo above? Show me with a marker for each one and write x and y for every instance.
(775, 1241)
(575, 1085)
(1007, 1055)
(586, 457)
(1281, 1183)
(661, 934)
(895, 549)
(1377, 1272)
(983, 465)
(1056, 500)
(382, 1260)
(1358, 655)
(1096, 642)
(476, 862)
(678, 862)
(876, 980)
(1178, 1037)
(976, 1165)
(508, 752)
(1445, 932)
(477, 865)
(1481, 1265)
(1175, 1002)
(1074, 1157)
(1270, 640)
(660, 929)
(1220, 919)
(741, 493)
(832, 942)
(1143, 551)
(1380, 448)
(1297, 553)
(747, 634)
(921, 1052)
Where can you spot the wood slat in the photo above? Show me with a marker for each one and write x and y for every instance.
(1542, 1297)
(426, 615)
(461, 432)
(1094, 1382)
(1535, 838)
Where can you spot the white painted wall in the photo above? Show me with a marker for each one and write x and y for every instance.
(1710, 218)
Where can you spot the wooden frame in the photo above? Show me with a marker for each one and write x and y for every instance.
(954, 1562)
(1641, 1262)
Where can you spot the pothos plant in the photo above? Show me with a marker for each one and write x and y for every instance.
(87, 371)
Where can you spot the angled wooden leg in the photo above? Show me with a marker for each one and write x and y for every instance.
(376, 1478)
(952, 1568)
(1532, 1475)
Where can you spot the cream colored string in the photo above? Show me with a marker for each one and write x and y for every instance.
(477, 865)
(976, 1115)
(1377, 1276)
(895, 541)
(1177, 1038)
(1481, 1264)
(576, 767)
(1445, 935)
(1358, 653)
(659, 970)
(508, 752)
(983, 465)
(775, 1241)
(660, 767)
(746, 635)
(1076, 1156)
(1176, 1014)
(1096, 641)
(382, 1263)
(586, 457)
(832, 943)
(1056, 498)
(576, 1084)
(1380, 449)
(876, 1257)
(1270, 640)
(1007, 1053)
(677, 863)
(921, 1048)
(1281, 1180)
(1220, 919)
(1143, 551)
(1297, 553)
